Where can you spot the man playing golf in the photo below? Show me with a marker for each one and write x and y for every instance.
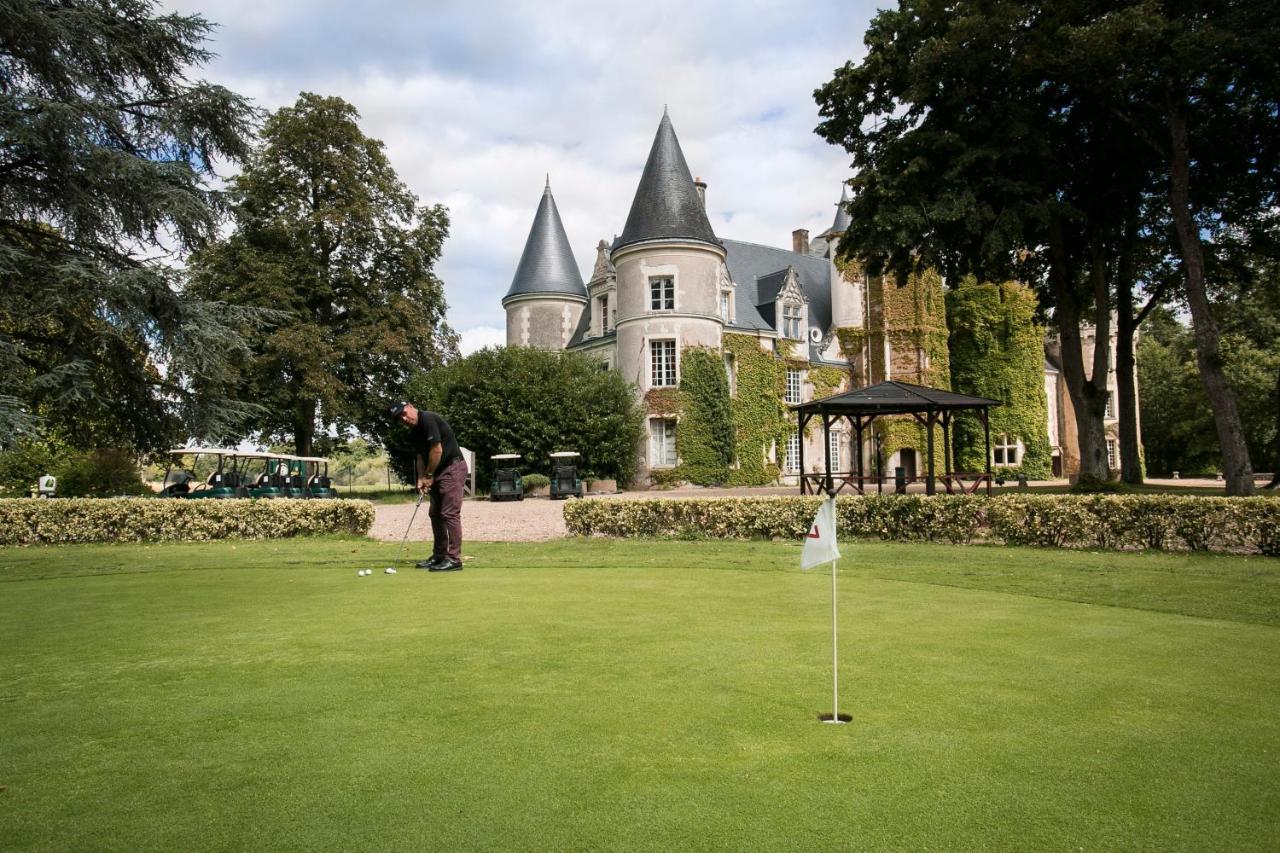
(441, 473)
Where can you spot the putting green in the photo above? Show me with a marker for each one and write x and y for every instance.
(651, 695)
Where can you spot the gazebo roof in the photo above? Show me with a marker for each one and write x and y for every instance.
(893, 398)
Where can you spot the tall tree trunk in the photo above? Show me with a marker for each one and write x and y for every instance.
(1126, 373)
(1087, 404)
(1237, 470)
(1275, 471)
(304, 427)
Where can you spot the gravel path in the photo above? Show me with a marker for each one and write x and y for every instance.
(529, 520)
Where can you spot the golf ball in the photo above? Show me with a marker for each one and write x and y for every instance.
(390, 570)
(363, 572)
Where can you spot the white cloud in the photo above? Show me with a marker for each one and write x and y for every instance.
(479, 337)
(477, 107)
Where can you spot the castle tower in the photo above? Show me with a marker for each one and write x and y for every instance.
(669, 267)
(547, 296)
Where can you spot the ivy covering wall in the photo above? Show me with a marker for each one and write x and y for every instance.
(705, 440)
(912, 318)
(997, 351)
(760, 418)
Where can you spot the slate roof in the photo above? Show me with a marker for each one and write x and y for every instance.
(893, 398)
(758, 272)
(547, 264)
(666, 204)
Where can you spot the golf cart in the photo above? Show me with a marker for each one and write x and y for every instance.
(181, 481)
(564, 476)
(506, 484)
(262, 475)
(315, 472)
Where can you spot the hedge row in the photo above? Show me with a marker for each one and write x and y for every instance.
(1128, 522)
(47, 522)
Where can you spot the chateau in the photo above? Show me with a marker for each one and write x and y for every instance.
(818, 325)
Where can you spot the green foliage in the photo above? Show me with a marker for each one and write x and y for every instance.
(1177, 422)
(534, 481)
(705, 438)
(23, 464)
(520, 400)
(997, 351)
(328, 233)
(760, 418)
(827, 380)
(101, 473)
(1060, 521)
(71, 520)
(107, 151)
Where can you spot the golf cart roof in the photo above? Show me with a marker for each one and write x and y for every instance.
(505, 456)
(565, 454)
(192, 451)
(312, 458)
(263, 454)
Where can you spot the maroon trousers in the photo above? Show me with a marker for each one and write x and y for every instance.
(446, 511)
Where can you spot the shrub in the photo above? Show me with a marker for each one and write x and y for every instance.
(535, 481)
(103, 473)
(521, 400)
(60, 521)
(22, 465)
(1131, 522)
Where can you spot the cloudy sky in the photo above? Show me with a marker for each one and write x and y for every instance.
(478, 102)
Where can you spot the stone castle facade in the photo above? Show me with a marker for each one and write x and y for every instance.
(669, 283)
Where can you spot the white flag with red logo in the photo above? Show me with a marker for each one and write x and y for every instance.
(820, 544)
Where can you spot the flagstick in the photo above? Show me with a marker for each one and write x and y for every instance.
(835, 672)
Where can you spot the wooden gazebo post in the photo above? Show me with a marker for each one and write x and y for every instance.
(986, 431)
(930, 487)
(826, 446)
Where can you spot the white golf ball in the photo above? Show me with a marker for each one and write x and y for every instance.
(390, 570)
(363, 572)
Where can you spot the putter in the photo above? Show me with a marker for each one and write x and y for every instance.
(400, 553)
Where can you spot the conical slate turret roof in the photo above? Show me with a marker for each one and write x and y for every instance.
(666, 205)
(547, 265)
(841, 224)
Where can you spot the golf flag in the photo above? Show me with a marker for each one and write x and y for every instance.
(820, 544)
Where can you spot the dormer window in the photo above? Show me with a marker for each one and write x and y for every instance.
(791, 321)
(604, 313)
(724, 306)
(662, 293)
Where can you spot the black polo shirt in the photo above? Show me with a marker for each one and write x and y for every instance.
(430, 430)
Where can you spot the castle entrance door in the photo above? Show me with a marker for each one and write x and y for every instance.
(907, 457)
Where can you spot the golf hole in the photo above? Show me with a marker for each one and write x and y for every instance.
(840, 718)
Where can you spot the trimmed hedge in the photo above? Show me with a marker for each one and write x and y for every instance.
(27, 521)
(1128, 522)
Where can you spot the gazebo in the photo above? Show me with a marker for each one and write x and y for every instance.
(929, 406)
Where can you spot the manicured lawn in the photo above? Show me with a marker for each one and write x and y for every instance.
(653, 695)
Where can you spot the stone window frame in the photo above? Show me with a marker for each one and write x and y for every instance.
(673, 372)
(1001, 445)
(798, 397)
(791, 460)
(658, 457)
(659, 293)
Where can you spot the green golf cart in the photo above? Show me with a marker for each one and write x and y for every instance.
(315, 477)
(506, 484)
(182, 481)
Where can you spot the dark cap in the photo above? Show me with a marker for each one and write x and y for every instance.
(397, 409)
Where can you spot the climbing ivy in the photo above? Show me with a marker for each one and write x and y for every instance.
(760, 418)
(705, 439)
(997, 351)
(827, 380)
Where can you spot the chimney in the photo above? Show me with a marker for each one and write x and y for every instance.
(701, 186)
(800, 241)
